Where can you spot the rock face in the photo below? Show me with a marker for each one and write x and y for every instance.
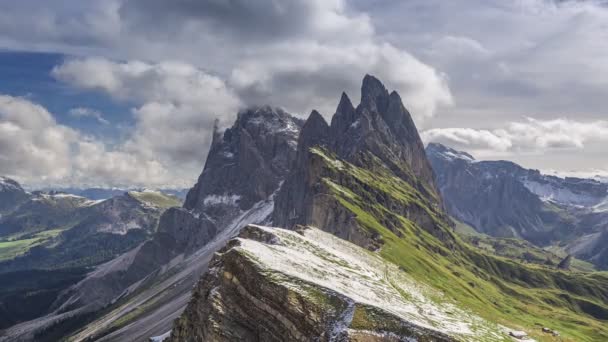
(250, 159)
(502, 199)
(378, 133)
(245, 166)
(272, 284)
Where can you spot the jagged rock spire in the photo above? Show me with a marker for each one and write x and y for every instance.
(374, 95)
(345, 115)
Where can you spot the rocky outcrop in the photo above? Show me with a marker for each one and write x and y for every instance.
(277, 285)
(248, 160)
(378, 133)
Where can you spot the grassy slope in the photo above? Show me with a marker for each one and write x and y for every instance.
(12, 247)
(518, 296)
(518, 249)
(156, 198)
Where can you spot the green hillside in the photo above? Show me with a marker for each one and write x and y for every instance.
(526, 297)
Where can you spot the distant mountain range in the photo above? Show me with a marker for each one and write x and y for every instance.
(105, 193)
(502, 199)
(65, 234)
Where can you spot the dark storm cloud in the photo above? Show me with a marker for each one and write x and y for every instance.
(241, 18)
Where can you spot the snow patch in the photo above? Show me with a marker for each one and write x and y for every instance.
(221, 199)
(161, 338)
(550, 193)
(364, 277)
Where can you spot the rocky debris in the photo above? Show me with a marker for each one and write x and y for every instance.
(565, 263)
(378, 131)
(273, 284)
(520, 335)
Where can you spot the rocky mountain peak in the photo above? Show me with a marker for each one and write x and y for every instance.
(382, 126)
(345, 115)
(261, 143)
(374, 95)
(378, 133)
(315, 130)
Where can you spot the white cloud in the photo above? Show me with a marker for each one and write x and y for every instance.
(176, 104)
(38, 151)
(308, 75)
(83, 112)
(523, 136)
(32, 144)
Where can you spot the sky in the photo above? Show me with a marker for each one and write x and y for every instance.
(125, 92)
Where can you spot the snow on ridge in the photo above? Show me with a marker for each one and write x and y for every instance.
(275, 124)
(161, 338)
(550, 193)
(7, 183)
(451, 154)
(601, 207)
(363, 277)
(221, 199)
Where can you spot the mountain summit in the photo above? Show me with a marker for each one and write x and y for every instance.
(379, 131)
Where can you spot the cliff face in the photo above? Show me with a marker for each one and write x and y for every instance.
(378, 136)
(272, 284)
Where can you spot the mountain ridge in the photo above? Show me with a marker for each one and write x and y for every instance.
(503, 199)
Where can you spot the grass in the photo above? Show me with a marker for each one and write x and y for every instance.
(156, 198)
(15, 246)
(519, 296)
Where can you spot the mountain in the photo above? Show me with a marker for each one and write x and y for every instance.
(380, 136)
(245, 167)
(365, 179)
(273, 284)
(97, 194)
(502, 199)
(11, 195)
(50, 239)
(365, 250)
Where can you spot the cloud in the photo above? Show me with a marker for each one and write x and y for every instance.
(175, 104)
(35, 149)
(32, 144)
(83, 112)
(523, 136)
(295, 47)
(309, 75)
